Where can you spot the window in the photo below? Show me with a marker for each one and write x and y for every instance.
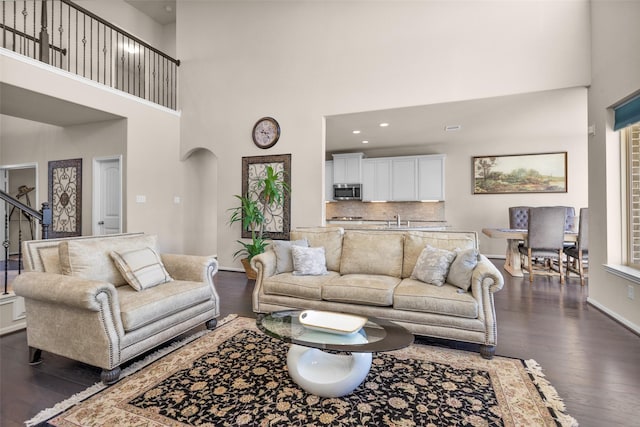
(631, 136)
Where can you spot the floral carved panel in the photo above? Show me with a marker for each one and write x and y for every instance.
(253, 169)
(65, 197)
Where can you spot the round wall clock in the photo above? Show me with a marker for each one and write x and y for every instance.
(266, 132)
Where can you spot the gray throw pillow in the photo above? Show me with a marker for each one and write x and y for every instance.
(282, 248)
(462, 267)
(433, 265)
(308, 261)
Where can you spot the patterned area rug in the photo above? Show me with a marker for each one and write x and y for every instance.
(236, 375)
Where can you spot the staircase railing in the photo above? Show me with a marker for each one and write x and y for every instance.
(43, 216)
(74, 39)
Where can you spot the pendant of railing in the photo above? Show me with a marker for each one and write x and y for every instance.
(44, 35)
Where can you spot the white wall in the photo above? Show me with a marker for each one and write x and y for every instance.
(615, 68)
(300, 61)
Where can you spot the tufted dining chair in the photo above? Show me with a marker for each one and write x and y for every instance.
(545, 241)
(578, 255)
(519, 217)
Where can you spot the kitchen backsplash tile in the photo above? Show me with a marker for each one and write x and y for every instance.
(412, 211)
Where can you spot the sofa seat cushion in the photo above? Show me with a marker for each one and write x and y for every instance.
(367, 289)
(138, 309)
(372, 253)
(306, 287)
(414, 295)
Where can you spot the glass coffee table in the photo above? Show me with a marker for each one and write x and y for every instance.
(331, 359)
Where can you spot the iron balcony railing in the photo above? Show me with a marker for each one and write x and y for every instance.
(74, 39)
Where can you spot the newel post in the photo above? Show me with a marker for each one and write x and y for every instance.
(44, 36)
(46, 219)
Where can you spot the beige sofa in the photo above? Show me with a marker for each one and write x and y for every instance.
(79, 305)
(369, 273)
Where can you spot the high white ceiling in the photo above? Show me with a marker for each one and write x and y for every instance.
(419, 126)
(161, 11)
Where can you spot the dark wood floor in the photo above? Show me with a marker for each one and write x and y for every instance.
(593, 362)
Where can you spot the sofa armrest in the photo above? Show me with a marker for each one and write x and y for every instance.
(264, 264)
(190, 267)
(486, 270)
(64, 290)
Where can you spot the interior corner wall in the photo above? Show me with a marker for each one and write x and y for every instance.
(300, 61)
(615, 64)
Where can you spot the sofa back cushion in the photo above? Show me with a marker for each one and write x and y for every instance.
(329, 238)
(91, 258)
(416, 241)
(367, 252)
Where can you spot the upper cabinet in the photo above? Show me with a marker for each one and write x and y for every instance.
(431, 177)
(376, 179)
(347, 168)
(403, 179)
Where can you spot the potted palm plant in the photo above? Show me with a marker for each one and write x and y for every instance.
(264, 196)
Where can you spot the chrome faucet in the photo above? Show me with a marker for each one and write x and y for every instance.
(398, 220)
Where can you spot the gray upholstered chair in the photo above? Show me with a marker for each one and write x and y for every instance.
(545, 241)
(578, 255)
(519, 217)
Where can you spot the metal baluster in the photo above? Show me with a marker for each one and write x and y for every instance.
(77, 51)
(90, 50)
(35, 40)
(4, 28)
(6, 243)
(104, 52)
(84, 45)
(23, 40)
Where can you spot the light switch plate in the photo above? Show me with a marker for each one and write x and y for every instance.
(141, 199)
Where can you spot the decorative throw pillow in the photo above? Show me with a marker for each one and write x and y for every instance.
(308, 261)
(433, 265)
(462, 267)
(141, 268)
(282, 249)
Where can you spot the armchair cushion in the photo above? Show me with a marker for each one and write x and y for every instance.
(141, 268)
(90, 258)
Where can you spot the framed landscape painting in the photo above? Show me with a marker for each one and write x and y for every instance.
(520, 173)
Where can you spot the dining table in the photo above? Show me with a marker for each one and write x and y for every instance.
(514, 237)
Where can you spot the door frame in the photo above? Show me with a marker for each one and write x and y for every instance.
(95, 205)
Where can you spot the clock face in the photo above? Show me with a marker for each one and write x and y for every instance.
(266, 132)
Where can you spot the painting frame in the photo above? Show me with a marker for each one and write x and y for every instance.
(65, 197)
(520, 173)
(278, 223)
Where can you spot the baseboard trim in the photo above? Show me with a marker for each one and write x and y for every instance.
(615, 316)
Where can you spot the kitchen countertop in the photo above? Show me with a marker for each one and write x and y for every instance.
(384, 224)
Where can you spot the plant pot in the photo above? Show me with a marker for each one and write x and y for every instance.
(251, 273)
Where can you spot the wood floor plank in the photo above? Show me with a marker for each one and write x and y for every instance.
(592, 360)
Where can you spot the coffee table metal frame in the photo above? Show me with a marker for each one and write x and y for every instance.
(328, 364)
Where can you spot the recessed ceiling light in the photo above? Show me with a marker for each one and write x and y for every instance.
(452, 128)
(384, 125)
(356, 132)
(365, 142)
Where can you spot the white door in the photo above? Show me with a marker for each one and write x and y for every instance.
(107, 193)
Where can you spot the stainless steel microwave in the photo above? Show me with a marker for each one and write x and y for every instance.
(347, 192)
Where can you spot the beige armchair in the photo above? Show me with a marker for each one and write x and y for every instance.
(79, 305)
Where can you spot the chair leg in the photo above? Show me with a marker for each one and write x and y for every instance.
(530, 264)
(110, 376)
(560, 255)
(35, 356)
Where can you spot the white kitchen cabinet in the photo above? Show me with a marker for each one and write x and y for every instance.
(431, 177)
(376, 179)
(347, 168)
(404, 186)
(328, 181)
